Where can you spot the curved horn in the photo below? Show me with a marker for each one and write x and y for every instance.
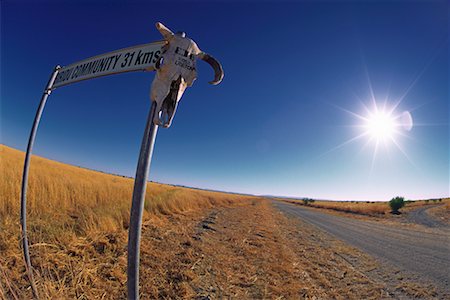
(218, 70)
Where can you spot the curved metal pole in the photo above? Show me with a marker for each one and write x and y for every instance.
(137, 205)
(23, 199)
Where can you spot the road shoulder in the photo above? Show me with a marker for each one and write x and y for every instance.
(398, 283)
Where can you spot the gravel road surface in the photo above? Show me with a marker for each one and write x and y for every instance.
(425, 252)
(420, 216)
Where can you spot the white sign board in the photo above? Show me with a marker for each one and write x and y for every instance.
(137, 58)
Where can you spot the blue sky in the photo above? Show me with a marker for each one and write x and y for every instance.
(293, 70)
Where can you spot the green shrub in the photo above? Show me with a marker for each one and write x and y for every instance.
(307, 201)
(396, 203)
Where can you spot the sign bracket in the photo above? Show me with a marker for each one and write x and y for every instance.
(23, 199)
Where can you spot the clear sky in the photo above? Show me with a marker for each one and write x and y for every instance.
(298, 76)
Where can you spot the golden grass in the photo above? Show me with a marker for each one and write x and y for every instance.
(72, 209)
(354, 207)
(370, 208)
(240, 249)
(78, 200)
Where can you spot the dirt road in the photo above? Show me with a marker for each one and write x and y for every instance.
(423, 251)
(420, 216)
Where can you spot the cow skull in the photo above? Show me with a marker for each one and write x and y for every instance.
(176, 70)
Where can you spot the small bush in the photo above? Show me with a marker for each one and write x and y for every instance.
(307, 201)
(396, 203)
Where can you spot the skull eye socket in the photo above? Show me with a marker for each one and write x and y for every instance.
(164, 117)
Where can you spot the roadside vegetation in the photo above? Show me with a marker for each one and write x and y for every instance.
(195, 244)
(73, 211)
(373, 208)
(395, 204)
(78, 200)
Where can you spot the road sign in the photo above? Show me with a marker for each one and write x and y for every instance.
(136, 58)
(171, 81)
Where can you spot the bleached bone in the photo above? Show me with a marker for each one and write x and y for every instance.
(176, 70)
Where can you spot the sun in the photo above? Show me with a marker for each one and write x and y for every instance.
(380, 125)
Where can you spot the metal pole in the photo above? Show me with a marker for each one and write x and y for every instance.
(137, 205)
(23, 200)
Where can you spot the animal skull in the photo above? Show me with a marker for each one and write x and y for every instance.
(176, 70)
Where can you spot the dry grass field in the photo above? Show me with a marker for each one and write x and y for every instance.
(83, 200)
(371, 208)
(195, 244)
(72, 207)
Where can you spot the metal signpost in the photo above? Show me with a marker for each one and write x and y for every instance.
(174, 59)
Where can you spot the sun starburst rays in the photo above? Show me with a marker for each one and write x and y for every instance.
(381, 126)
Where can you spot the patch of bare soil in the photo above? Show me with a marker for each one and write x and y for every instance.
(254, 252)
